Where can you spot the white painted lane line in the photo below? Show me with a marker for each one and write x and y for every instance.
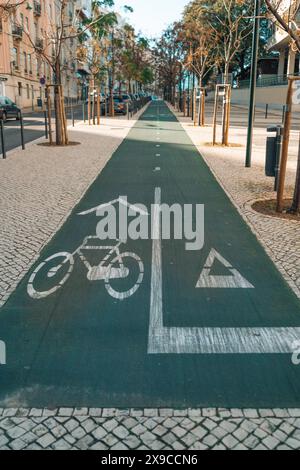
(157, 155)
(165, 340)
(157, 168)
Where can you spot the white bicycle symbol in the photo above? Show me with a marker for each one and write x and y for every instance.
(105, 271)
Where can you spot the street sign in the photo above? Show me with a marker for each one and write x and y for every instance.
(43, 81)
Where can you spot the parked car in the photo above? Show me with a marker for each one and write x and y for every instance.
(9, 109)
(127, 99)
(119, 105)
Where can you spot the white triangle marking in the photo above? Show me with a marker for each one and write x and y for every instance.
(233, 281)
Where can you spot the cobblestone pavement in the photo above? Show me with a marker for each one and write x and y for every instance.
(151, 429)
(280, 237)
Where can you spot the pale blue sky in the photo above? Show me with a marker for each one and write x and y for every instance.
(151, 17)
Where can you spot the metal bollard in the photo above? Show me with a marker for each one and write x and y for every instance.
(2, 139)
(83, 112)
(73, 118)
(46, 125)
(283, 114)
(22, 133)
(267, 111)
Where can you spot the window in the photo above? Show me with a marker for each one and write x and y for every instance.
(15, 57)
(20, 88)
(25, 63)
(28, 91)
(29, 57)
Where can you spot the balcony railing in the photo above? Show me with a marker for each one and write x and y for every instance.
(278, 80)
(37, 8)
(17, 31)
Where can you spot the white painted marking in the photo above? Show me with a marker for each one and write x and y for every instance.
(121, 201)
(157, 155)
(233, 281)
(157, 168)
(165, 340)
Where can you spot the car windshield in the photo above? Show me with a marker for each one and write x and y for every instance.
(126, 97)
(118, 99)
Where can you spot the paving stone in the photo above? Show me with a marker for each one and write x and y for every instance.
(293, 443)
(271, 442)
(85, 442)
(67, 412)
(61, 444)
(110, 425)
(99, 446)
(98, 434)
(46, 440)
(132, 442)
(230, 442)
(121, 432)
(199, 432)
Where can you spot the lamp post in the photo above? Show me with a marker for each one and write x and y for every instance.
(255, 46)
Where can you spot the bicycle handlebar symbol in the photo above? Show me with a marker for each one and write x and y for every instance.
(106, 271)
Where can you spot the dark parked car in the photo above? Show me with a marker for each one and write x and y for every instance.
(120, 105)
(127, 99)
(9, 109)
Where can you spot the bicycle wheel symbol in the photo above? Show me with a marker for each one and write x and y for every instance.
(121, 261)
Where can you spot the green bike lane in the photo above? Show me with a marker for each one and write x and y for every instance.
(207, 328)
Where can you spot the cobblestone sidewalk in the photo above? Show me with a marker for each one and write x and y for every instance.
(152, 429)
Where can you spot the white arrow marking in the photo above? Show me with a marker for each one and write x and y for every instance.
(233, 281)
(111, 203)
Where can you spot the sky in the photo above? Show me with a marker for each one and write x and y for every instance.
(151, 17)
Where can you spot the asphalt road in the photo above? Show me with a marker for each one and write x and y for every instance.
(34, 128)
(207, 328)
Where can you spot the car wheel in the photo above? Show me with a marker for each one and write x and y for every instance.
(4, 117)
(18, 118)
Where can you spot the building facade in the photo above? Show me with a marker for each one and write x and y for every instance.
(281, 42)
(23, 71)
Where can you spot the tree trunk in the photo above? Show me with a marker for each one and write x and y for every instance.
(295, 209)
(60, 128)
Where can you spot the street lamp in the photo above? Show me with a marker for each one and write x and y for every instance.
(255, 46)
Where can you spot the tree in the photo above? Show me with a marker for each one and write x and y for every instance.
(288, 23)
(61, 33)
(196, 37)
(168, 54)
(7, 7)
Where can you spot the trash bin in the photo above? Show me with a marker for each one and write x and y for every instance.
(273, 151)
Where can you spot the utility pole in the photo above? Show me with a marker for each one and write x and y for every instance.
(255, 46)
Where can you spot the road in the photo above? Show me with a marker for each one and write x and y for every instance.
(34, 128)
(207, 328)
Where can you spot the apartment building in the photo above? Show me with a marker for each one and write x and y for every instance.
(289, 63)
(32, 27)
(21, 70)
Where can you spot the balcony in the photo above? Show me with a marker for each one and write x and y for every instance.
(37, 8)
(17, 31)
(39, 44)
